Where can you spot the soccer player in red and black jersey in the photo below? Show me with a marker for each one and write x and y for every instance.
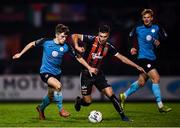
(95, 49)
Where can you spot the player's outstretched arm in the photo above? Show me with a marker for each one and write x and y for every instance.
(129, 62)
(75, 39)
(91, 69)
(25, 49)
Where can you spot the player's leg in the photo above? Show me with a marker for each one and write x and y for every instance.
(54, 83)
(104, 87)
(137, 84)
(45, 102)
(86, 88)
(109, 93)
(57, 95)
(84, 101)
(154, 75)
(46, 99)
(133, 88)
(40, 108)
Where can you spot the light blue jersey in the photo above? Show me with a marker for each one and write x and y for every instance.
(52, 55)
(145, 36)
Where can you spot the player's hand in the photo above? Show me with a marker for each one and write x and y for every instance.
(133, 51)
(93, 71)
(156, 43)
(16, 56)
(80, 49)
(141, 69)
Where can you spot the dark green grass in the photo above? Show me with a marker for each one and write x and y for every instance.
(143, 114)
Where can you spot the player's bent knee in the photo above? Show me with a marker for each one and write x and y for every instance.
(58, 88)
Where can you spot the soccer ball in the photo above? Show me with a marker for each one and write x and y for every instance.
(95, 116)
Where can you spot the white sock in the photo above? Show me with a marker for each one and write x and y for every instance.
(160, 104)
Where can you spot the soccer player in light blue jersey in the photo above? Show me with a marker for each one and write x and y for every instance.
(148, 36)
(50, 71)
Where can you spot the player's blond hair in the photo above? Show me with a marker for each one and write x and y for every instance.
(147, 11)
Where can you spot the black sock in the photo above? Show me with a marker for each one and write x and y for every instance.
(116, 104)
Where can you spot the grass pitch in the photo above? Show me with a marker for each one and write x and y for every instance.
(143, 114)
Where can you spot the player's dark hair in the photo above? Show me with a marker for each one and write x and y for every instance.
(104, 28)
(60, 28)
(147, 11)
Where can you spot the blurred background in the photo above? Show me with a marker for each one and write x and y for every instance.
(24, 21)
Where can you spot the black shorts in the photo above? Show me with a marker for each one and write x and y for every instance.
(147, 64)
(46, 76)
(87, 82)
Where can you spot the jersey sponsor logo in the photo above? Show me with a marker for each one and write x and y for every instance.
(148, 37)
(61, 49)
(95, 55)
(153, 30)
(54, 53)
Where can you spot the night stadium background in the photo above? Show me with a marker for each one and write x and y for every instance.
(24, 21)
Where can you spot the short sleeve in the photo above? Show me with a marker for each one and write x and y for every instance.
(112, 50)
(88, 38)
(40, 42)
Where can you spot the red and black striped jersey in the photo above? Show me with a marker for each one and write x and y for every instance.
(95, 52)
